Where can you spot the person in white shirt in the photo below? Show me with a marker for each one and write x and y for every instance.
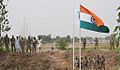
(17, 44)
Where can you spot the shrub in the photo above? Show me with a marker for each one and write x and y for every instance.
(61, 44)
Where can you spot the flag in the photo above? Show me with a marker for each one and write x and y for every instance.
(90, 21)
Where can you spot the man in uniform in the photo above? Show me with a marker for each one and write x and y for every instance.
(84, 43)
(7, 41)
(82, 63)
(112, 43)
(85, 62)
(90, 63)
(98, 60)
(22, 44)
(29, 44)
(34, 44)
(13, 44)
(94, 64)
(103, 62)
(77, 62)
(96, 43)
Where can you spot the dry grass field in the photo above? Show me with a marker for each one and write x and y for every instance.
(46, 59)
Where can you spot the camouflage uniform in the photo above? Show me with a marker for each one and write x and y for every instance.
(89, 64)
(112, 43)
(82, 66)
(94, 64)
(103, 62)
(96, 43)
(76, 62)
(98, 62)
(85, 62)
(7, 41)
(13, 44)
(34, 45)
(22, 44)
(84, 43)
(29, 41)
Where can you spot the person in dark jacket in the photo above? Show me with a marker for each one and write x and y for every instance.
(13, 44)
(7, 42)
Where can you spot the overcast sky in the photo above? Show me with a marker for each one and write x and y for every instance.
(55, 17)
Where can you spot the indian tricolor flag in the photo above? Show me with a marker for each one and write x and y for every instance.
(90, 21)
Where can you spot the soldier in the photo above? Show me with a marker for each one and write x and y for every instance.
(25, 44)
(112, 43)
(98, 64)
(103, 62)
(94, 64)
(13, 44)
(84, 43)
(76, 62)
(96, 43)
(29, 41)
(90, 64)
(34, 44)
(82, 63)
(7, 41)
(85, 63)
(22, 44)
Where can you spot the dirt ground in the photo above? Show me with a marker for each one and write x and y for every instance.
(49, 60)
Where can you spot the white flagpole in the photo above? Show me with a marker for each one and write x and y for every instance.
(79, 40)
(73, 38)
(80, 48)
(73, 34)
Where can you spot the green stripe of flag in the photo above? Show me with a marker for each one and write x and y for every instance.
(93, 27)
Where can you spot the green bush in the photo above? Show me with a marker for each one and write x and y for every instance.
(61, 44)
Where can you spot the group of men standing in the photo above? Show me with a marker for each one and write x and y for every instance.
(19, 44)
(96, 42)
(91, 63)
(88, 63)
(84, 41)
